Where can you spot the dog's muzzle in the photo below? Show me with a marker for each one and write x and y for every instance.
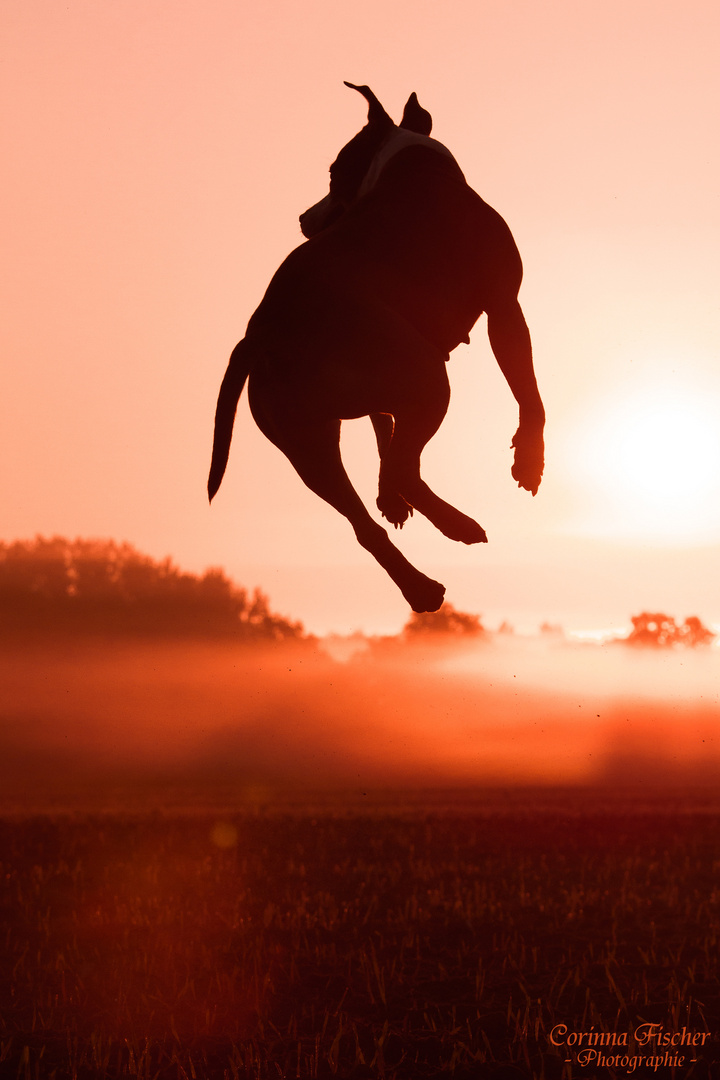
(320, 216)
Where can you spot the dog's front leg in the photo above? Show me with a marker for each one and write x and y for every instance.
(510, 342)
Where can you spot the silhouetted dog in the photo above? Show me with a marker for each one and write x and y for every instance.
(402, 258)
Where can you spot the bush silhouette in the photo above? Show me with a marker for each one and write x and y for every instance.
(446, 621)
(659, 631)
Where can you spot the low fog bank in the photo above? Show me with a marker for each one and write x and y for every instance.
(608, 668)
(221, 722)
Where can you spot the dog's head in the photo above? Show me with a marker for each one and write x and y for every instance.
(359, 163)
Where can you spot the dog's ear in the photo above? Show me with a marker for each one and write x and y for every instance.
(415, 118)
(376, 113)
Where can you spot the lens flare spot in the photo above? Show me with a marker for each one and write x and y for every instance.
(224, 835)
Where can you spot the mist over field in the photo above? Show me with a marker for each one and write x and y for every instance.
(156, 722)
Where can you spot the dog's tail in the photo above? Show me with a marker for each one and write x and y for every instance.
(230, 390)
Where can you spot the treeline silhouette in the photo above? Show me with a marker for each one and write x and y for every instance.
(653, 630)
(101, 587)
(60, 586)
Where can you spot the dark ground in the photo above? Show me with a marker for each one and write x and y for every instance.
(400, 938)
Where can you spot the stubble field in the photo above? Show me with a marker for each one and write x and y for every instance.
(501, 936)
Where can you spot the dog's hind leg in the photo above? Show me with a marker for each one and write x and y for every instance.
(415, 424)
(392, 506)
(315, 454)
(384, 425)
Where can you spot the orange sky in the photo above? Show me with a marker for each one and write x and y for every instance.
(156, 157)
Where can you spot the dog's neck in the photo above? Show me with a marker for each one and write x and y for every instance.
(398, 139)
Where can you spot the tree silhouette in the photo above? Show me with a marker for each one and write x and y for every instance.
(659, 631)
(101, 586)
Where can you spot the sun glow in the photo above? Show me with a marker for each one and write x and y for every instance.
(651, 466)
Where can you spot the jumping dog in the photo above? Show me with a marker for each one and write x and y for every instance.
(401, 258)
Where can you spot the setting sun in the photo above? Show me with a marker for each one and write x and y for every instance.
(655, 459)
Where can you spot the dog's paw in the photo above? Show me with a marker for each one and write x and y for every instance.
(458, 526)
(425, 594)
(394, 509)
(469, 532)
(529, 463)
